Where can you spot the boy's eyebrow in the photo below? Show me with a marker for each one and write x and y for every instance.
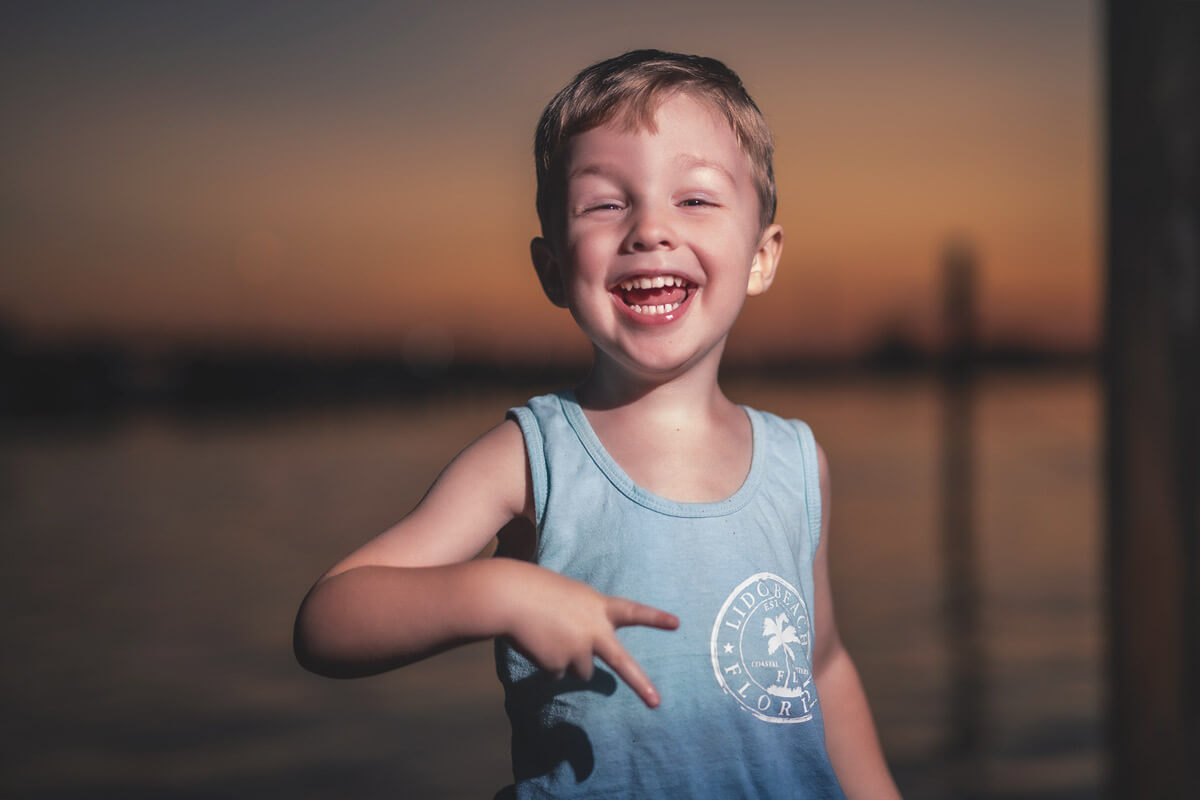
(592, 169)
(696, 162)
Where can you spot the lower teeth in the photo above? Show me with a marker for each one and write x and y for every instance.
(661, 309)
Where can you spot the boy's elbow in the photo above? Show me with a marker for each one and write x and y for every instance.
(312, 648)
(328, 642)
(306, 647)
(322, 659)
(306, 658)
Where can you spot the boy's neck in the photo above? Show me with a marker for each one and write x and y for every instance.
(679, 438)
(610, 388)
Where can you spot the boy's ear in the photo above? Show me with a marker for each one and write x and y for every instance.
(548, 271)
(766, 258)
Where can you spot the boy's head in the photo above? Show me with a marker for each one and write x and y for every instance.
(628, 90)
(656, 196)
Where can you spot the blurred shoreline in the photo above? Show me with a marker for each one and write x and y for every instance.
(101, 379)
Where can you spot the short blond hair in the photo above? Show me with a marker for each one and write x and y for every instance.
(630, 88)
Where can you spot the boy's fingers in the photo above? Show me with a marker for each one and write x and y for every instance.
(584, 667)
(616, 656)
(623, 612)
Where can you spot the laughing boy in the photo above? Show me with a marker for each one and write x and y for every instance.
(644, 488)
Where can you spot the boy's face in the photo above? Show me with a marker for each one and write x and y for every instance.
(661, 243)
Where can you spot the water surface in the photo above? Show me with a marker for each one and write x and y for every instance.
(152, 569)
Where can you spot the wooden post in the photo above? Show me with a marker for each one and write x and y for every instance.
(1152, 406)
(959, 558)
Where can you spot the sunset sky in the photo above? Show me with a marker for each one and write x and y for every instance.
(359, 174)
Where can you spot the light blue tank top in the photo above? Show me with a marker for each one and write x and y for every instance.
(739, 716)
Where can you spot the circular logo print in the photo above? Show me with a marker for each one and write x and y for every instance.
(762, 650)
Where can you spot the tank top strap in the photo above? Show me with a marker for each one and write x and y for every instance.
(812, 480)
(535, 450)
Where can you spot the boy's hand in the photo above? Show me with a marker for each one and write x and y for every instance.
(561, 624)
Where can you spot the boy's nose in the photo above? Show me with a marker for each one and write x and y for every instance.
(650, 231)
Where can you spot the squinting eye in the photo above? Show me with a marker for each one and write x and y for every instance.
(604, 207)
(693, 202)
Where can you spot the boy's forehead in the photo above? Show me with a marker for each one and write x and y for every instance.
(692, 131)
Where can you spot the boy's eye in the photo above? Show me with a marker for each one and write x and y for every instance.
(604, 207)
(693, 202)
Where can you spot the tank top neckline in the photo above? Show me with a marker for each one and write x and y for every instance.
(626, 485)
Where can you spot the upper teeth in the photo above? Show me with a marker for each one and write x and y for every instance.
(657, 282)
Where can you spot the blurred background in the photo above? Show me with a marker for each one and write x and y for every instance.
(264, 271)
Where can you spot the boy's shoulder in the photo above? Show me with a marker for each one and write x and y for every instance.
(773, 418)
(787, 428)
(541, 411)
(548, 401)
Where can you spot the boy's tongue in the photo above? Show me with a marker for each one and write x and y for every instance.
(665, 295)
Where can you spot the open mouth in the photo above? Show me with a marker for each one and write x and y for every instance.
(654, 295)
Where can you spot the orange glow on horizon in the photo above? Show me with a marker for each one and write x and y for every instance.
(399, 197)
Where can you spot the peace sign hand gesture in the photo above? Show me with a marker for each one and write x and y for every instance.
(561, 624)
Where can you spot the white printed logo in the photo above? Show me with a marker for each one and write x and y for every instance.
(762, 650)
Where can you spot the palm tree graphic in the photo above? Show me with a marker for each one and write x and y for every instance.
(779, 633)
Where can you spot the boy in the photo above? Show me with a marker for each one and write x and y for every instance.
(644, 488)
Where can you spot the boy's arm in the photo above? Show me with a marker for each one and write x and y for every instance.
(414, 591)
(850, 737)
